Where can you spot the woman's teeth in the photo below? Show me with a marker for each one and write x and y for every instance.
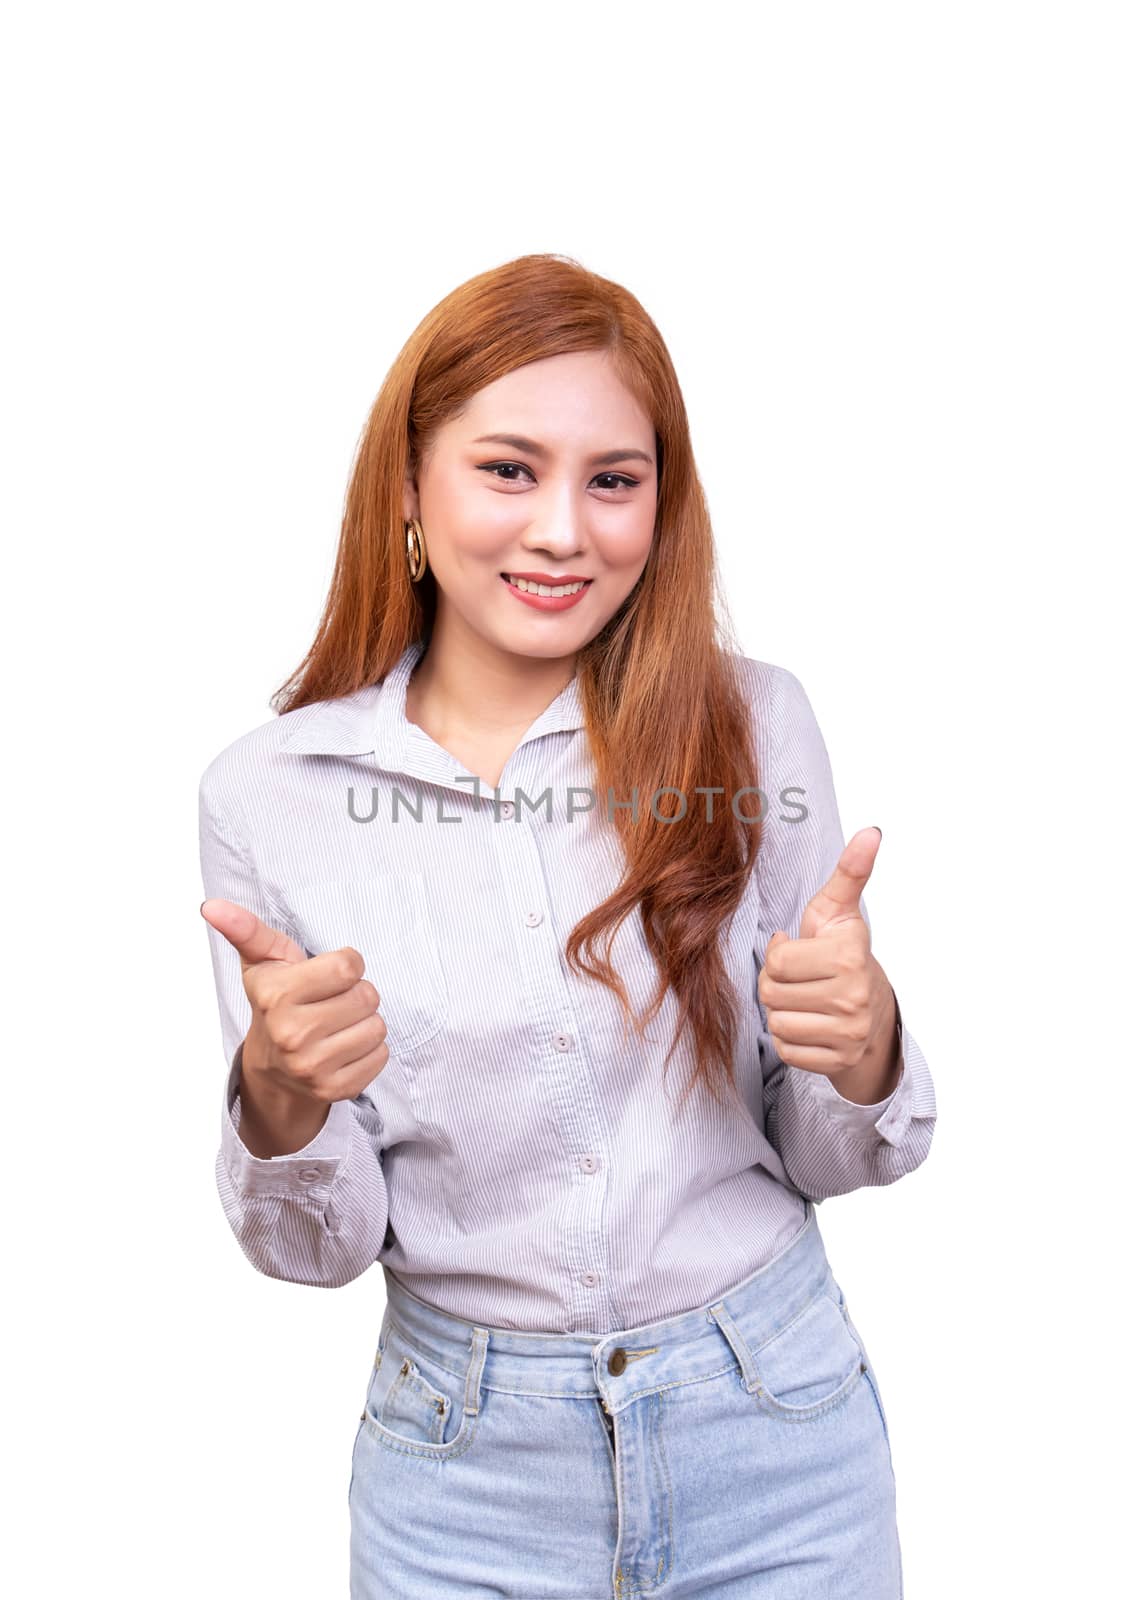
(542, 588)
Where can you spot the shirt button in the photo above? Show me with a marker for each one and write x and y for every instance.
(507, 808)
(589, 1163)
(533, 918)
(561, 1041)
(308, 1174)
(590, 1279)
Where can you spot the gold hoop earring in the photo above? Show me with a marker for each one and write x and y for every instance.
(416, 549)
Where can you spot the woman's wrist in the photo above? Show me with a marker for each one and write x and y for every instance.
(874, 1079)
(274, 1122)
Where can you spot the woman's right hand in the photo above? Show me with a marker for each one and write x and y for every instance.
(316, 1034)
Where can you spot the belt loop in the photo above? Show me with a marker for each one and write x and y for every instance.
(479, 1339)
(722, 1317)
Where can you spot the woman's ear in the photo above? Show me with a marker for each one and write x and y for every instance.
(410, 496)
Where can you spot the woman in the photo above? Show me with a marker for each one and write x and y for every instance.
(546, 982)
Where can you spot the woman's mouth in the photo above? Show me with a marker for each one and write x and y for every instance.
(545, 596)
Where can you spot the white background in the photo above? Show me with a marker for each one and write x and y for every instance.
(898, 255)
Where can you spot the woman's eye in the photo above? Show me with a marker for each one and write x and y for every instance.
(617, 484)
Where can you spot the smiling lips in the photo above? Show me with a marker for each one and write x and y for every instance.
(556, 594)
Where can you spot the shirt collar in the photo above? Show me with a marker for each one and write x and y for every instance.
(373, 721)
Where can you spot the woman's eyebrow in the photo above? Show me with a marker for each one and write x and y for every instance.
(530, 447)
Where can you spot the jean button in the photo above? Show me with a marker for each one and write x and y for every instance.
(617, 1362)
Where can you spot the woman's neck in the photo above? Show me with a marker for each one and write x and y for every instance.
(476, 702)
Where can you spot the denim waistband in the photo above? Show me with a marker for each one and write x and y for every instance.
(680, 1349)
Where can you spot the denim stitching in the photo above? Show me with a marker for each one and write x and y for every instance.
(661, 1443)
(880, 1407)
(351, 1482)
(767, 1402)
(621, 1586)
(819, 1408)
(587, 1394)
(620, 1482)
(411, 1447)
(471, 1410)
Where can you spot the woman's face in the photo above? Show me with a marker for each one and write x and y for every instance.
(568, 492)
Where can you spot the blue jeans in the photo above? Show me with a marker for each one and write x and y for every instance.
(739, 1450)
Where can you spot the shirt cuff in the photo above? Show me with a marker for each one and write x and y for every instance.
(309, 1171)
(886, 1119)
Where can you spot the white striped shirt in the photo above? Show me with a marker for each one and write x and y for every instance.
(520, 1161)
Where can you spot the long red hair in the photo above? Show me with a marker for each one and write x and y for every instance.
(658, 678)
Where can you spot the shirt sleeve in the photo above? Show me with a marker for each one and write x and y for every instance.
(319, 1215)
(828, 1144)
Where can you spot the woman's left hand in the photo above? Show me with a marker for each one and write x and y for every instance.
(829, 1005)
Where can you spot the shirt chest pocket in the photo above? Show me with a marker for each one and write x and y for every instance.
(386, 917)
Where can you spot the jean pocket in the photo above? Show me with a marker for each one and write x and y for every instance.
(813, 1364)
(415, 1405)
(386, 917)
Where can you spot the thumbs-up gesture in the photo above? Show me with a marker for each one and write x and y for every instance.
(829, 1005)
(316, 1035)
